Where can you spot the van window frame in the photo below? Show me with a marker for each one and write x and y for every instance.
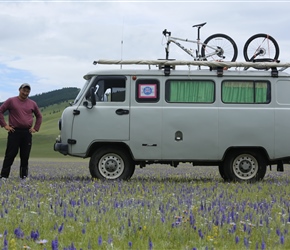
(107, 78)
(168, 89)
(153, 86)
(254, 82)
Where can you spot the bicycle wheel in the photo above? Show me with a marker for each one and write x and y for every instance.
(261, 47)
(219, 47)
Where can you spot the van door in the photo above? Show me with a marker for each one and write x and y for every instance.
(108, 120)
(146, 119)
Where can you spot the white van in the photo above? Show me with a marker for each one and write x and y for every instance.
(235, 119)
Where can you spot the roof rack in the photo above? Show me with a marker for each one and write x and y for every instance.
(167, 65)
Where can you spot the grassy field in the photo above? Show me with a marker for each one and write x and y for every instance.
(61, 207)
(161, 207)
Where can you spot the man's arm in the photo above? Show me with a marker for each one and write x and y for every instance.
(3, 109)
(38, 120)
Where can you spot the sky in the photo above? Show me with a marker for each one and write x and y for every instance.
(52, 44)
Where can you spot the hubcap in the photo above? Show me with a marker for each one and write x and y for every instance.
(111, 166)
(245, 166)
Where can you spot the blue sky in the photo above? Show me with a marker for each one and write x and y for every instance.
(52, 44)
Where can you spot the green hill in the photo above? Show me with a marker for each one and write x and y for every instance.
(43, 140)
(55, 96)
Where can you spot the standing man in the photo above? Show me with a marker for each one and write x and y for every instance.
(20, 128)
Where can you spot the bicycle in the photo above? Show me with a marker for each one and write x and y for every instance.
(261, 48)
(217, 46)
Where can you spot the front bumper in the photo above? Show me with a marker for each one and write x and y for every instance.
(61, 147)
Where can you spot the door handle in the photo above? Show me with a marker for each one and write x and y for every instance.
(76, 112)
(122, 111)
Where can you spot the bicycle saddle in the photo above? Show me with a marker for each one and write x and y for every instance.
(199, 25)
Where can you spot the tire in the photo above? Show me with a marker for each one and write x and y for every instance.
(223, 173)
(245, 165)
(263, 43)
(111, 164)
(229, 49)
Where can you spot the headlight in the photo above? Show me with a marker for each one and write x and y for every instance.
(59, 124)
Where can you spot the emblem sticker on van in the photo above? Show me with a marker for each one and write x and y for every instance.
(147, 91)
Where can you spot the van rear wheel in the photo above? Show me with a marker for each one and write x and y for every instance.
(223, 173)
(111, 164)
(245, 166)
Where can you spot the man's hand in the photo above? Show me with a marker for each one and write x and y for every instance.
(9, 128)
(32, 130)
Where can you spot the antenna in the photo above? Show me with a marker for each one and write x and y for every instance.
(122, 43)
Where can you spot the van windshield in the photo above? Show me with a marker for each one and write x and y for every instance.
(81, 92)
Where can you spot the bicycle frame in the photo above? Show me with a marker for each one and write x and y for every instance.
(188, 51)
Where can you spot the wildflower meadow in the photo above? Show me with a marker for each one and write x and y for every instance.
(161, 207)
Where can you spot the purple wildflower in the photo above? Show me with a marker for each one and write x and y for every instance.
(18, 233)
(191, 219)
(60, 228)
(110, 240)
(282, 239)
(246, 242)
(150, 244)
(5, 243)
(54, 244)
(237, 239)
(34, 235)
(130, 244)
(64, 212)
(263, 247)
(100, 240)
(200, 233)
(71, 247)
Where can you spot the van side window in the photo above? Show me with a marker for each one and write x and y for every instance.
(147, 90)
(191, 91)
(246, 92)
(110, 90)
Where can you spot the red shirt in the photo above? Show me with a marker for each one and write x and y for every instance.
(20, 113)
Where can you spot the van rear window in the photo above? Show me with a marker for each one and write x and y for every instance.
(246, 92)
(190, 91)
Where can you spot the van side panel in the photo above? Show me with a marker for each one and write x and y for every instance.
(282, 118)
(198, 127)
(246, 126)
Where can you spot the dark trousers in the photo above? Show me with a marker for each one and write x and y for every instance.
(19, 139)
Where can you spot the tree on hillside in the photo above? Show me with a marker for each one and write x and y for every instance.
(55, 96)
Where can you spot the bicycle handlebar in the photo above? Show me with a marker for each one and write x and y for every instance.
(165, 32)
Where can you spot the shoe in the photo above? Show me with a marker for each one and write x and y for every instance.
(3, 179)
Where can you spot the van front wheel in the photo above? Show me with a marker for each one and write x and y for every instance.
(245, 166)
(111, 164)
